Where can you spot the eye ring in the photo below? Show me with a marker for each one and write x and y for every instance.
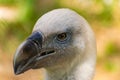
(62, 37)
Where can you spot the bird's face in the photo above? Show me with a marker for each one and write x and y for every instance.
(49, 46)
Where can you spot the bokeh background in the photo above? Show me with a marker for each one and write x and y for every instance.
(17, 18)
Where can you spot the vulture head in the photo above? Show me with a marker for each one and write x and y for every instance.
(62, 43)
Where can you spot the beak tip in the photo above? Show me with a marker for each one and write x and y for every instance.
(16, 69)
(17, 72)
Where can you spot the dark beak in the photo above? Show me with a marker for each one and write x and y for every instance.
(26, 53)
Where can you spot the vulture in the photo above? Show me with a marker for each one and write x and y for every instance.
(62, 43)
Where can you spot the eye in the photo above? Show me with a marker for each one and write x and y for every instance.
(62, 37)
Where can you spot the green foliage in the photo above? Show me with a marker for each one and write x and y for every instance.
(109, 66)
(112, 49)
(106, 15)
(7, 2)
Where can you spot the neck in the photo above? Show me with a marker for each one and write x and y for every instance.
(83, 70)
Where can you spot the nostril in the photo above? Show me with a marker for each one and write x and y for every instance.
(51, 51)
(42, 54)
(47, 52)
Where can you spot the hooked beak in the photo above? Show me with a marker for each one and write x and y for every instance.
(27, 52)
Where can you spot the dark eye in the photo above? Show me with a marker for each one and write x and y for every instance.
(62, 37)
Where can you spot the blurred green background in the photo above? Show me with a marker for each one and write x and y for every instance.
(17, 18)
